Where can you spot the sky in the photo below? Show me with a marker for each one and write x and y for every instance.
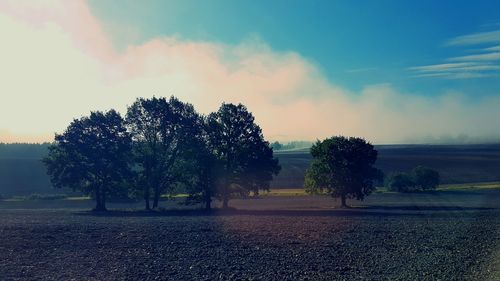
(388, 71)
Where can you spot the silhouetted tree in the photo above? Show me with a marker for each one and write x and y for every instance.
(205, 171)
(426, 178)
(92, 155)
(161, 130)
(401, 182)
(244, 159)
(343, 167)
(260, 168)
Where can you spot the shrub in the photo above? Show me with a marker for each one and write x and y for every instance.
(426, 178)
(420, 179)
(401, 182)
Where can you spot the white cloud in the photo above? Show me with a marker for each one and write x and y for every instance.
(476, 38)
(492, 49)
(57, 64)
(480, 57)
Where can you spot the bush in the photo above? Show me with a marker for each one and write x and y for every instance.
(426, 178)
(420, 179)
(401, 182)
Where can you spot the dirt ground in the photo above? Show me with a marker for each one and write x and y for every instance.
(451, 235)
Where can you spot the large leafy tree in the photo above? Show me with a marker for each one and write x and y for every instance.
(162, 131)
(343, 167)
(244, 161)
(92, 155)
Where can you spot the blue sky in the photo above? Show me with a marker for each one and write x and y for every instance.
(389, 71)
(354, 43)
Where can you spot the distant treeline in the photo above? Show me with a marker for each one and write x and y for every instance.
(291, 145)
(23, 150)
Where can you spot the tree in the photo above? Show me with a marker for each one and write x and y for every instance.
(401, 182)
(161, 130)
(426, 178)
(92, 156)
(244, 159)
(343, 167)
(277, 145)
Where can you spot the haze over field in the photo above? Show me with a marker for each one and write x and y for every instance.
(412, 77)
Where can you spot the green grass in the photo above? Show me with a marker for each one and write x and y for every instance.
(471, 186)
(445, 187)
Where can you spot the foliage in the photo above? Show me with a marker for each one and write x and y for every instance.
(162, 131)
(420, 179)
(342, 167)
(92, 155)
(400, 182)
(426, 178)
(243, 160)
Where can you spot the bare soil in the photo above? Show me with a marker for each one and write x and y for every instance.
(442, 235)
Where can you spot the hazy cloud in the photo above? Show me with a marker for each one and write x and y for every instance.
(58, 64)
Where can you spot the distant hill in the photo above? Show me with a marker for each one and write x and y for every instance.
(22, 172)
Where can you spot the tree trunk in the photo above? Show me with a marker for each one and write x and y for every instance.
(225, 202)
(156, 198)
(207, 198)
(343, 199)
(208, 204)
(103, 199)
(97, 198)
(146, 198)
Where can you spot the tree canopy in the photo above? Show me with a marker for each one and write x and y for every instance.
(92, 155)
(245, 160)
(343, 167)
(162, 147)
(162, 131)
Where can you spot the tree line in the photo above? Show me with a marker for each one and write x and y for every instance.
(164, 146)
(160, 146)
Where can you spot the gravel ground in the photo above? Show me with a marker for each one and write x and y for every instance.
(442, 236)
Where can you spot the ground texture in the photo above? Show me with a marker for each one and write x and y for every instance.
(445, 235)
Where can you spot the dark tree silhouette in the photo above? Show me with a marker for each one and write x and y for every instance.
(401, 182)
(343, 167)
(244, 160)
(426, 178)
(162, 131)
(91, 156)
(205, 171)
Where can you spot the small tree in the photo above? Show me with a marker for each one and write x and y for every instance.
(343, 167)
(401, 182)
(92, 156)
(426, 178)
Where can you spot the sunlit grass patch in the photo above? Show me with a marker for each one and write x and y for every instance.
(471, 186)
(285, 192)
